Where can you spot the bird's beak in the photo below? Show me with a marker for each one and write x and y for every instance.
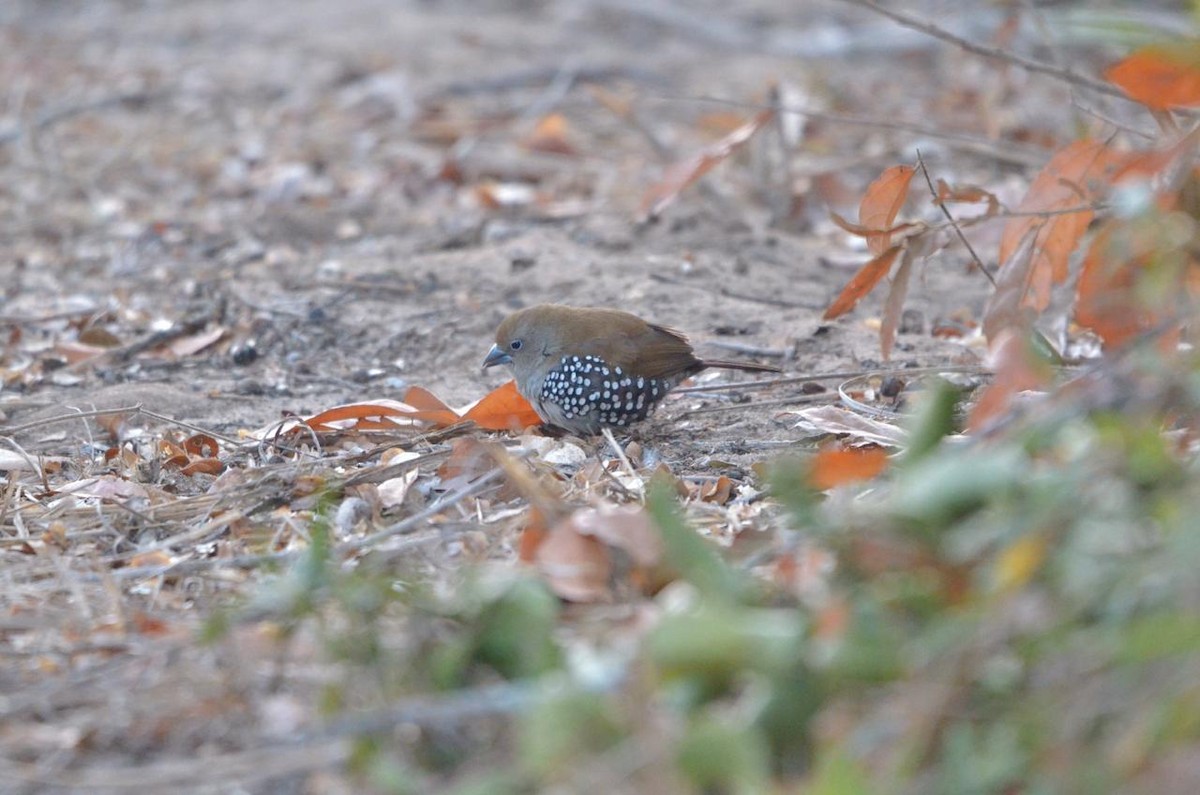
(496, 355)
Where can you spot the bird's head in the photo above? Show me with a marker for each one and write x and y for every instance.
(527, 337)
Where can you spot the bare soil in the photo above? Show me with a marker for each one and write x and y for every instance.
(318, 180)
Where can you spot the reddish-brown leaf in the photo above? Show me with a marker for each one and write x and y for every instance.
(865, 231)
(503, 409)
(834, 466)
(173, 456)
(863, 282)
(431, 407)
(1106, 299)
(532, 535)
(201, 445)
(966, 194)
(1161, 76)
(882, 202)
(719, 491)
(683, 174)
(1076, 175)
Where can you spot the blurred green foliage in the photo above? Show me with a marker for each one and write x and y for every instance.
(1016, 613)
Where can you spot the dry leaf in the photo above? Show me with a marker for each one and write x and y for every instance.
(392, 492)
(893, 306)
(867, 277)
(881, 204)
(718, 491)
(681, 175)
(1161, 76)
(1076, 175)
(503, 409)
(551, 134)
(834, 465)
(575, 566)
(194, 343)
(822, 420)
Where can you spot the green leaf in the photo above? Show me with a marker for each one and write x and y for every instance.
(1159, 635)
(720, 755)
(938, 490)
(933, 422)
(837, 774)
(516, 631)
(714, 644)
(559, 732)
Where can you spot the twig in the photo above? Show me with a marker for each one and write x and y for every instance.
(1010, 153)
(1111, 121)
(15, 429)
(154, 339)
(946, 212)
(187, 426)
(725, 291)
(800, 379)
(612, 442)
(749, 350)
(1059, 72)
(759, 404)
(412, 522)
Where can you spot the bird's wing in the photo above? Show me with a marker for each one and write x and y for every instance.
(665, 353)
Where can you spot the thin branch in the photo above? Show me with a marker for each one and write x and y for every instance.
(946, 212)
(1059, 72)
(15, 429)
(800, 379)
(433, 509)
(1007, 152)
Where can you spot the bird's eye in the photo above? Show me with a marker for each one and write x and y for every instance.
(515, 345)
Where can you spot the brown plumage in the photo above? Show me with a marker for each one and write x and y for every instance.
(586, 369)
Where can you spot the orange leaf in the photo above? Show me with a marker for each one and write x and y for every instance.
(867, 277)
(865, 231)
(679, 176)
(172, 454)
(1076, 175)
(503, 409)
(1106, 299)
(882, 202)
(834, 466)
(718, 491)
(431, 408)
(369, 416)
(532, 535)
(551, 135)
(201, 445)
(966, 194)
(1161, 76)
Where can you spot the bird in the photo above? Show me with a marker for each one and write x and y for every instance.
(584, 369)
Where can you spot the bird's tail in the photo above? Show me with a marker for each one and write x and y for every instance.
(749, 367)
